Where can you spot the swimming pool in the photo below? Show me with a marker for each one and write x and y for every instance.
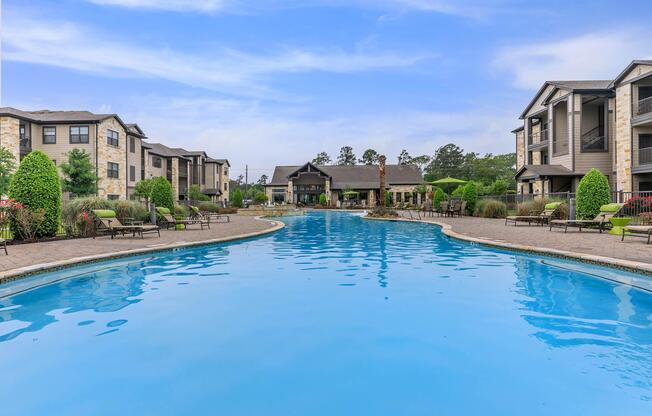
(332, 315)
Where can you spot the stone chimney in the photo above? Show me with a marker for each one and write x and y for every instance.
(381, 161)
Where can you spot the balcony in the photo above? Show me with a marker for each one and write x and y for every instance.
(594, 140)
(644, 106)
(537, 141)
(645, 156)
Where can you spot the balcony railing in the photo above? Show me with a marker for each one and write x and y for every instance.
(538, 137)
(645, 156)
(644, 106)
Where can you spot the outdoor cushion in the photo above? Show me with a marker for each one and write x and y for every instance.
(163, 210)
(553, 205)
(104, 213)
(613, 207)
(195, 209)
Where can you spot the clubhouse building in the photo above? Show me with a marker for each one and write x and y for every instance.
(303, 184)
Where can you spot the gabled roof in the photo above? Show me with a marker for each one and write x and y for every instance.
(56, 117)
(162, 150)
(570, 86)
(308, 167)
(134, 129)
(629, 67)
(190, 152)
(537, 171)
(518, 129)
(355, 176)
(223, 162)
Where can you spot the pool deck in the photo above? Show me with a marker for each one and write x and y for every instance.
(588, 245)
(24, 259)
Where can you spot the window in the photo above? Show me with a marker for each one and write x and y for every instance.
(112, 138)
(113, 197)
(644, 149)
(203, 174)
(79, 134)
(132, 144)
(49, 135)
(21, 132)
(156, 161)
(132, 173)
(226, 186)
(113, 170)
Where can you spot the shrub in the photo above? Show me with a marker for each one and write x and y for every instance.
(76, 214)
(438, 197)
(161, 193)
(209, 207)
(322, 199)
(382, 212)
(36, 186)
(130, 209)
(457, 192)
(28, 222)
(236, 198)
(637, 205)
(592, 192)
(499, 187)
(260, 197)
(470, 195)
(494, 209)
(479, 207)
(7, 167)
(388, 199)
(181, 210)
(227, 211)
(537, 205)
(195, 194)
(144, 189)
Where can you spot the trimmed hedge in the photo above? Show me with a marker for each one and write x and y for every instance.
(470, 195)
(36, 185)
(438, 197)
(161, 195)
(592, 192)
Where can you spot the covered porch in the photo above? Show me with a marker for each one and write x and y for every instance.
(547, 179)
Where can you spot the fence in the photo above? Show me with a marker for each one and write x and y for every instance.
(637, 205)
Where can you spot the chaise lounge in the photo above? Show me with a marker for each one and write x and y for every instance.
(643, 230)
(601, 220)
(3, 242)
(549, 211)
(171, 222)
(105, 221)
(206, 215)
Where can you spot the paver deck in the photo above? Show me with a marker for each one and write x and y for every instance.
(586, 242)
(23, 255)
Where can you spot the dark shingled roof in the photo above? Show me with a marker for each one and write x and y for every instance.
(48, 116)
(582, 85)
(356, 176)
(163, 150)
(537, 171)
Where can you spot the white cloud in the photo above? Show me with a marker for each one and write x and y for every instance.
(202, 6)
(262, 137)
(598, 55)
(225, 70)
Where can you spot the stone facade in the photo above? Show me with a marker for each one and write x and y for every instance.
(9, 135)
(116, 154)
(175, 177)
(624, 138)
(520, 149)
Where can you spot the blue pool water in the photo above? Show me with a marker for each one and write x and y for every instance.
(334, 315)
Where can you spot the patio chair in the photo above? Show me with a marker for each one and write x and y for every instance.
(3, 242)
(207, 215)
(540, 218)
(601, 220)
(643, 230)
(171, 222)
(443, 208)
(106, 221)
(454, 207)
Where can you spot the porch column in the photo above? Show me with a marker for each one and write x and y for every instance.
(371, 199)
(327, 191)
(290, 192)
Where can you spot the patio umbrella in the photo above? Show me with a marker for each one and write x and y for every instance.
(448, 181)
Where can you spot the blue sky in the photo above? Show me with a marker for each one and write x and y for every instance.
(275, 82)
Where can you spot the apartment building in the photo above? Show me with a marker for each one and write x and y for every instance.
(570, 127)
(119, 151)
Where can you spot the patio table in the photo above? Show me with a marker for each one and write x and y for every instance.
(619, 224)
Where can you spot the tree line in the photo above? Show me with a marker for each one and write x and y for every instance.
(447, 160)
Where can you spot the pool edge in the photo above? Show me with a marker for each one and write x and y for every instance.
(22, 272)
(447, 230)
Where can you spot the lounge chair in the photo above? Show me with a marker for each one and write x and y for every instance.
(3, 242)
(601, 220)
(206, 215)
(644, 230)
(106, 221)
(549, 211)
(171, 222)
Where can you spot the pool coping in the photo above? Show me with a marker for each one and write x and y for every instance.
(627, 265)
(25, 271)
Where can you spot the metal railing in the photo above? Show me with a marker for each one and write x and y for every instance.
(593, 140)
(645, 156)
(644, 106)
(538, 137)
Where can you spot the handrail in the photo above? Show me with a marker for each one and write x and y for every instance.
(645, 156)
(644, 106)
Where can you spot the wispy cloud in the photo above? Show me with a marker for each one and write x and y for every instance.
(201, 6)
(597, 55)
(67, 45)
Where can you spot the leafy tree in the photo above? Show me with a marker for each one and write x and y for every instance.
(239, 180)
(369, 157)
(161, 193)
(346, 156)
(322, 199)
(263, 179)
(592, 192)
(7, 168)
(144, 189)
(438, 197)
(322, 159)
(448, 161)
(236, 198)
(260, 197)
(404, 158)
(79, 176)
(499, 187)
(421, 161)
(195, 194)
(37, 187)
